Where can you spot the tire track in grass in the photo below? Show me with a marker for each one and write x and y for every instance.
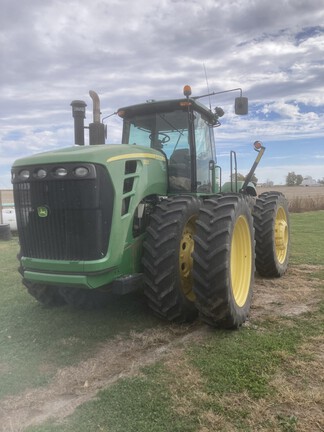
(75, 385)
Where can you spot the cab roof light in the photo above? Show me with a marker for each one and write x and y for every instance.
(187, 90)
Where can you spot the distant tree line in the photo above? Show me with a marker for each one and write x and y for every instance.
(293, 179)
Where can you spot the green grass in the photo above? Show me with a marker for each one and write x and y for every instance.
(307, 232)
(222, 378)
(35, 341)
(243, 361)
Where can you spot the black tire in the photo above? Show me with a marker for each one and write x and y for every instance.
(5, 232)
(167, 259)
(224, 237)
(47, 295)
(20, 268)
(81, 298)
(272, 234)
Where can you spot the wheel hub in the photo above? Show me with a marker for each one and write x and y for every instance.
(185, 260)
(241, 261)
(281, 235)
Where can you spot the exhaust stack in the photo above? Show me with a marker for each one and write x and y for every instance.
(97, 130)
(78, 113)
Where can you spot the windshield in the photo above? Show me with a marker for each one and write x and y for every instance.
(163, 131)
(168, 132)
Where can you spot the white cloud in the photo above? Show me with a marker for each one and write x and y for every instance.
(133, 51)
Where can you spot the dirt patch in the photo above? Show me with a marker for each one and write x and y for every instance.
(291, 295)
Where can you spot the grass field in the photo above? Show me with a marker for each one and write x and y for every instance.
(123, 370)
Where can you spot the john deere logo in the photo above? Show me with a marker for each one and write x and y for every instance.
(42, 211)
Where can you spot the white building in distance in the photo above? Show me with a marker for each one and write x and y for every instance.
(309, 181)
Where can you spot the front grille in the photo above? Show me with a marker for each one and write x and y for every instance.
(64, 218)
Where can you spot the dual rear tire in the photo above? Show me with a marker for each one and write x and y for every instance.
(272, 234)
(167, 258)
(224, 261)
(202, 256)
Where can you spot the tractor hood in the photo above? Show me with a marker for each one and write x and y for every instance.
(92, 154)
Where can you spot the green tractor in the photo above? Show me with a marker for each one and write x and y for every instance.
(151, 213)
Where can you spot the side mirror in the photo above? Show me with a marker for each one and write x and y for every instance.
(241, 105)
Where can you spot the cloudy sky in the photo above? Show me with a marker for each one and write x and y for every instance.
(54, 51)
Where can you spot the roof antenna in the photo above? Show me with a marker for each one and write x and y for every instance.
(207, 86)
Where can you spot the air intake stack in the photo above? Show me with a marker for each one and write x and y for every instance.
(78, 113)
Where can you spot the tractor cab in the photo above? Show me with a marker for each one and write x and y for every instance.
(181, 130)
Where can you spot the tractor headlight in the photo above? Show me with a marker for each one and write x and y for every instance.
(24, 174)
(41, 173)
(81, 171)
(60, 172)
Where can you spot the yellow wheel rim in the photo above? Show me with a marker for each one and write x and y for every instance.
(241, 261)
(281, 235)
(185, 259)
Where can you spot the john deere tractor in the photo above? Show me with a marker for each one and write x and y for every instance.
(151, 213)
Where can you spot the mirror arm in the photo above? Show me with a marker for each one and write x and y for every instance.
(248, 178)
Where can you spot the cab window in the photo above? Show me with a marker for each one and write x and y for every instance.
(204, 140)
(168, 133)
